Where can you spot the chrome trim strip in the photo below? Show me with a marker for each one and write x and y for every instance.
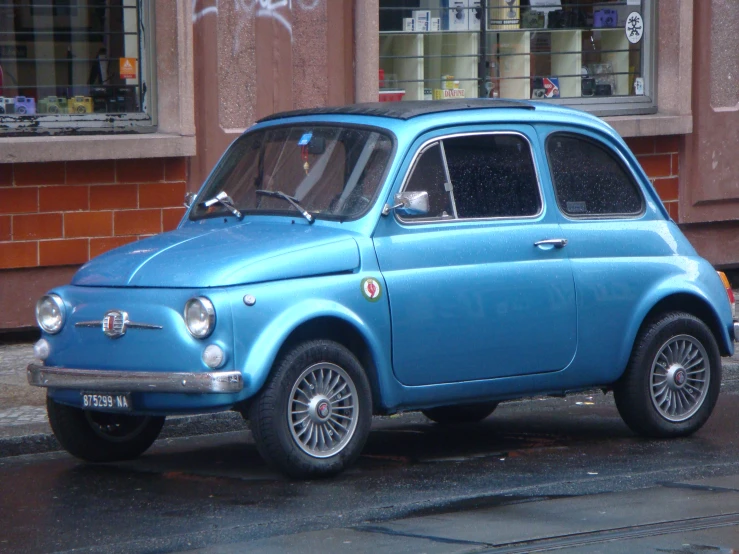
(129, 325)
(134, 381)
(736, 331)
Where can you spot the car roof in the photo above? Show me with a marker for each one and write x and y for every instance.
(405, 110)
(416, 116)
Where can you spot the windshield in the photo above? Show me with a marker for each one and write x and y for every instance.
(330, 171)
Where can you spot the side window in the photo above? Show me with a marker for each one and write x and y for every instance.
(429, 175)
(492, 176)
(589, 180)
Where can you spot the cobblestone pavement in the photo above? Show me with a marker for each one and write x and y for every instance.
(22, 408)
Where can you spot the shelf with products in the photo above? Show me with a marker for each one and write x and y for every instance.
(422, 64)
(513, 48)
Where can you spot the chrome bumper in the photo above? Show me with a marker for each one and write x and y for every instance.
(736, 331)
(134, 381)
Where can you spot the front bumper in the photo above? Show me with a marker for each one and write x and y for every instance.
(134, 381)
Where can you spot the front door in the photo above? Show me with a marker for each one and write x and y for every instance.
(471, 296)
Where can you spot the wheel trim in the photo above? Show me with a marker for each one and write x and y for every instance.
(679, 378)
(323, 410)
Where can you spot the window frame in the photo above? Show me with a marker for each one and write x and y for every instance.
(145, 121)
(611, 152)
(606, 106)
(440, 138)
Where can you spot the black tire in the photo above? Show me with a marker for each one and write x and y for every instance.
(101, 436)
(275, 426)
(468, 413)
(634, 391)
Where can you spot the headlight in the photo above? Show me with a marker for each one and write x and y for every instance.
(50, 313)
(200, 317)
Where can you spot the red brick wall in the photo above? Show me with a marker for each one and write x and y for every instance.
(660, 159)
(64, 213)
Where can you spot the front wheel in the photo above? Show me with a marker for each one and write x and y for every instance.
(101, 436)
(673, 378)
(313, 415)
(469, 413)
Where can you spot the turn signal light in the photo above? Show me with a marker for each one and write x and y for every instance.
(729, 291)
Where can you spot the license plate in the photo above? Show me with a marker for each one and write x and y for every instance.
(107, 402)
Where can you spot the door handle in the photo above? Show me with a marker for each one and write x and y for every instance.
(557, 243)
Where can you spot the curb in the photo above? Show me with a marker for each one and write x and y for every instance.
(184, 426)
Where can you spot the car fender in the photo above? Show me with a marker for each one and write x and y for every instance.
(261, 358)
(673, 285)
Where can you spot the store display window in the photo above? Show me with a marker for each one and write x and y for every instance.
(595, 55)
(74, 65)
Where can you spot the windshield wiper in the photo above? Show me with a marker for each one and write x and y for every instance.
(293, 202)
(223, 198)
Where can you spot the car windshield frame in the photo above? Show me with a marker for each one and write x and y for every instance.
(209, 189)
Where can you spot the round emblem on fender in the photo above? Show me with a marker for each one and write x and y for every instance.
(322, 409)
(371, 289)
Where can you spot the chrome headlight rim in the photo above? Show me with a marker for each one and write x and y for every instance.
(208, 309)
(59, 303)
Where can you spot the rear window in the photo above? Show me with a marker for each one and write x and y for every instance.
(589, 181)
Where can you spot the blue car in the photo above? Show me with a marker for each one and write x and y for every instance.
(343, 262)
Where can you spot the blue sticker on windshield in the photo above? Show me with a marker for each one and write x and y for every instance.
(305, 139)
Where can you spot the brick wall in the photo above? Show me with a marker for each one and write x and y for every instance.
(660, 159)
(64, 213)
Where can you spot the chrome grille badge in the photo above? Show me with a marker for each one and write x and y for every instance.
(115, 323)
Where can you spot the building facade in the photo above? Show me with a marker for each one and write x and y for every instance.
(115, 108)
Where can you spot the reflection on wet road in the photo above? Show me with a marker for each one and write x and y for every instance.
(190, 493)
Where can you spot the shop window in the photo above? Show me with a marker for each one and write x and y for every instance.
(74, 65)
(595, 55)
(492, 176)
(589, 180)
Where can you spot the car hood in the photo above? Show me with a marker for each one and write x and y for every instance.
(199, 257)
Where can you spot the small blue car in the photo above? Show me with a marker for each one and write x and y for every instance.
(375, 258)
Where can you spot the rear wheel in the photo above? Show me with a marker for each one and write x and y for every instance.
(673, 378)
(101, 436)
(313, 415)
(469, 413)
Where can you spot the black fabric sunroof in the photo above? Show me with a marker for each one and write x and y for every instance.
(405, 110)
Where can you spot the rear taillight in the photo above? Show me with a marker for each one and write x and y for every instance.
(729, 291)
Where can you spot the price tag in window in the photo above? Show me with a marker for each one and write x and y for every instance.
(128, 68)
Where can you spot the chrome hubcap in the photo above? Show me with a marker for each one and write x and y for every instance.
(679, 378)
(323, 410)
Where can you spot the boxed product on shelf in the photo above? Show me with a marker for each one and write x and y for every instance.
(53, 105)
(435, 24)
(409, 24)
(391, 95)
(605, 19)
(80, 105)
(456, 15)
(448, 82)
(475, 14)
(504, 14)
(421, 20)
(7, 105)
(444, 94)
(25, 105)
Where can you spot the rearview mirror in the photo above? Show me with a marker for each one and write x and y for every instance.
(412, 203)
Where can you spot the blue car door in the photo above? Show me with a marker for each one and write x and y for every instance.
(480, 287)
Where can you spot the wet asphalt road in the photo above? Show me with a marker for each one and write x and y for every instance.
(189, 493)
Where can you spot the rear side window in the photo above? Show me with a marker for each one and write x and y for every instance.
(492, 176)
(589, 180)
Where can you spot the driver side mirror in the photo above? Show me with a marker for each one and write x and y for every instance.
(412, 203)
